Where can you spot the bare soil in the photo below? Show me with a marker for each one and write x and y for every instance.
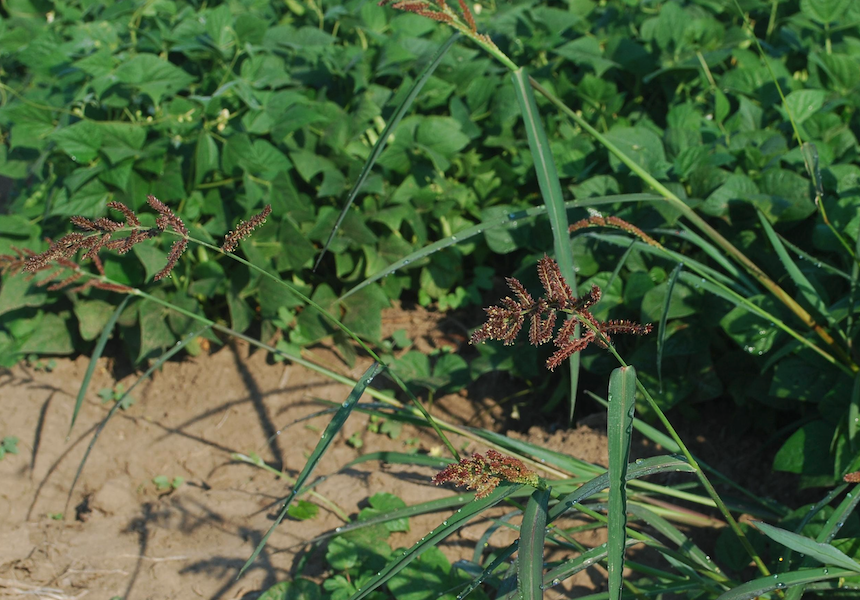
(121, 536)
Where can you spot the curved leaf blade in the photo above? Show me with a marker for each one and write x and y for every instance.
(823, 553)
(532, 540)
(326, 439)
(379, 146)
(97, 353)
(449, 526)
(622, 403)
(763, 585)
(550, 188)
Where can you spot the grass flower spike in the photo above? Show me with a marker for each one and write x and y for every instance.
(484, 474)
(505, 321)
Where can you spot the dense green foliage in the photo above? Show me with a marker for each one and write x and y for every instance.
(218, 110)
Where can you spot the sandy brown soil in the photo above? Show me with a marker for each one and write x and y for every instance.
(121, 536)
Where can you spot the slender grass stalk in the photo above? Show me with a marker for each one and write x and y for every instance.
(97, 353)
(334, 426)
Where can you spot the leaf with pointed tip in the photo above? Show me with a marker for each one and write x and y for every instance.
(326, 439)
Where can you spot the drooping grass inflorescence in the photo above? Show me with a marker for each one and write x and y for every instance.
(484, 474)
(107, 234)
(440, 10)
(505, 321)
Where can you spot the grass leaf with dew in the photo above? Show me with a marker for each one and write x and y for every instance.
(120, 401)
(823, 553)
(449, 526)
(379, 146)
(673, 534)
(641, 468)
(500, 559)
(326, 439)
(532, 540)
(402, 458)
(763, 585)
(510, 220)
(664, 316)
(94, 358)
(550, 188)
(803, 284)
(619, 429)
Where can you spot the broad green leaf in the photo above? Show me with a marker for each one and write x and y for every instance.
(81, 141)
(298, 589)
(153, 76)
(802, 104)
(18, 291)
(807, 450)
(50, 336)
(92, 316)
(824, 11)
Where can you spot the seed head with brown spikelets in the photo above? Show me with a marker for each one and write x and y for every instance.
(244, 229)
(505, 321)
(484, 474)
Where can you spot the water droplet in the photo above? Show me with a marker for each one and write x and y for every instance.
(776, 576)
(639, 461)
(556, 581)
(453, 238)
(780, 585)
(345, 404)
(338, 529)
(444, 523)
(826, 571)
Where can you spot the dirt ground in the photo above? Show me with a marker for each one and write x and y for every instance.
(121, 536)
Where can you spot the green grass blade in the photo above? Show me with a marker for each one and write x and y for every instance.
(503, 556)
(674, 535)
(714, 253)
(823, 553)
(803, 284)
(97, 353)
(484, 540)
(393, 122)
(763, 585)
(571, 567)
(532, 540)
(326, 439)
(664, 316)
(640, 468)
(118, 403)
(840, 515)
(622, 404)
(402, 458)
(545, 455)
(668, 444)
(676, 257)
(449, 526)
(509, 220)
(854, 413)
(550, 188)
(819, 264)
